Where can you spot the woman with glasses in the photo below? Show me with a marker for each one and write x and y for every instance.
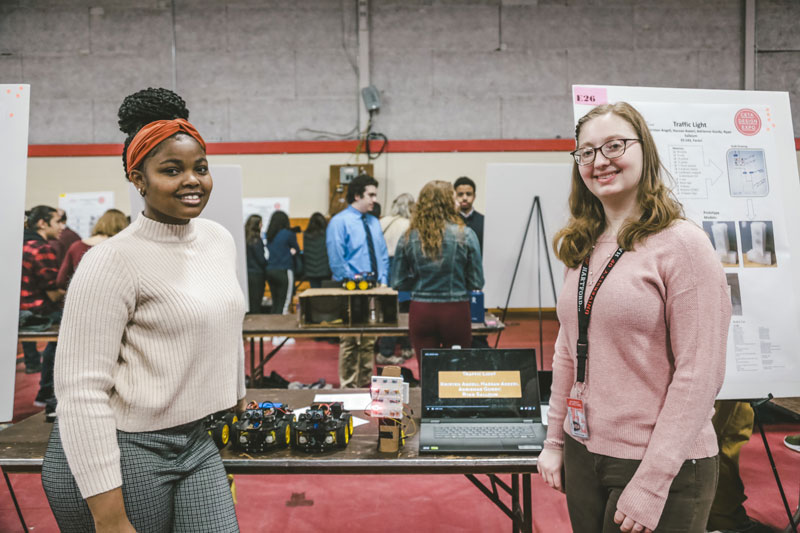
(640, 356)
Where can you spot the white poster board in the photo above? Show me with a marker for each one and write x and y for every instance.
(14, 106)
(264, 207)
(510, 190)
(733, 159)
(84, 208)
(224, 207)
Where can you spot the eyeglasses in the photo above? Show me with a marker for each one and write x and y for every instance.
(610, 149)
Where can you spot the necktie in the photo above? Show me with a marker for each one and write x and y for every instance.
(373, 260)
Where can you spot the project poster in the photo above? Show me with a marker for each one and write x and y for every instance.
(84, 209)
(264, 207)
(732, 157)
(14, 106)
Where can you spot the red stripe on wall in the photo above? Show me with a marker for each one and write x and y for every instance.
(324, 147)
(328, 147)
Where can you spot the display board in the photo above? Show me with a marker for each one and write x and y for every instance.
(84, 208)
(733, 160)
(14, 107)
(264, 207)
(224, 207)
(510, 189)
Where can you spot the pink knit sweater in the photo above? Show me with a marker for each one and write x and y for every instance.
(657, 339)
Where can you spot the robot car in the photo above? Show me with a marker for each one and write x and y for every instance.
(263, 426)
(362, 281)
(219, 426)
(323, 427)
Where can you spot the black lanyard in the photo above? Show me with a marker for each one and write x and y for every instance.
(585, 309)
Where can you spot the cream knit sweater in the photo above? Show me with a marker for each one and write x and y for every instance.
(151, 339)
(657, 345)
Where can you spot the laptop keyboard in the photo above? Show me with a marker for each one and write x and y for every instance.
(476, 431)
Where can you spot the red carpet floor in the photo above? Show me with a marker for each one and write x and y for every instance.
(399, 503)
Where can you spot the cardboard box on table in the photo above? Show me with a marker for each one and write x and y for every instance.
(320, 308)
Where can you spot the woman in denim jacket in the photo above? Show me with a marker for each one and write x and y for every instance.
(439, 260)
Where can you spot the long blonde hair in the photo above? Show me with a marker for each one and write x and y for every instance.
(587, 222)
(110, 223)
(434, 209)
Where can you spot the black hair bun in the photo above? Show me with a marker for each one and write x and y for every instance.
(149, 105)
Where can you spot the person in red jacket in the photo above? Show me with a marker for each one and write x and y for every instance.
(65, 239)
(39, 293)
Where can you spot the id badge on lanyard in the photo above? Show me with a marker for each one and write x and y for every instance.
(576, 407)
(576, 413)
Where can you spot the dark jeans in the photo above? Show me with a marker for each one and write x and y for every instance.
(279, 288)
(595, 482)
(255, 290)
(439, 325)
(48, 364)
(386, 345)
(31, 354)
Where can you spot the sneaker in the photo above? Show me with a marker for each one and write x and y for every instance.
(50, 409)
(42, 397)
(289, 341)
(792, 442)
(407, 353)
(391, 360)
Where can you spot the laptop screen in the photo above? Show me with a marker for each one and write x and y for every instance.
(480, 383)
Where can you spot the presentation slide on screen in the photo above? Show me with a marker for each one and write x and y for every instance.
(732, 158)
(480, 384)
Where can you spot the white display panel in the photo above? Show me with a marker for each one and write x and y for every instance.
(733, 159)
(510, 189)
(84, 209)
(14, 107)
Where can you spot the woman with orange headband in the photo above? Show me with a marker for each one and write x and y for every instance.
(150, 344)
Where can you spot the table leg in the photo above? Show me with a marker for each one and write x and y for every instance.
(252, 361)
(520, 521)
(527, 504)
(263, 360)
(515, 502)
(14, 499)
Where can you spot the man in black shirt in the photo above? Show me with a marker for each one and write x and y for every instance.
(465, 195)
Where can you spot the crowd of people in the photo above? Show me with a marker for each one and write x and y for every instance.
(155, 311)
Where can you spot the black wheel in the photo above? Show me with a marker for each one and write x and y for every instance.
(221, 433)
(235, 434)
(230, 419)
(342, 436)
(293, 438)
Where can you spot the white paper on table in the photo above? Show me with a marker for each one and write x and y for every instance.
(352, 402)
(356, 421)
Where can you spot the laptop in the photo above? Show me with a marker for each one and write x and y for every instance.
(480, 400)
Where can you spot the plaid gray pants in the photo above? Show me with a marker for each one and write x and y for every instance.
(172, 480)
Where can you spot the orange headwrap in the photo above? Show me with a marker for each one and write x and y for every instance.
(152, 134)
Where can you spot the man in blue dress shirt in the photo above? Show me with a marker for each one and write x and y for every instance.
(355, 244)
